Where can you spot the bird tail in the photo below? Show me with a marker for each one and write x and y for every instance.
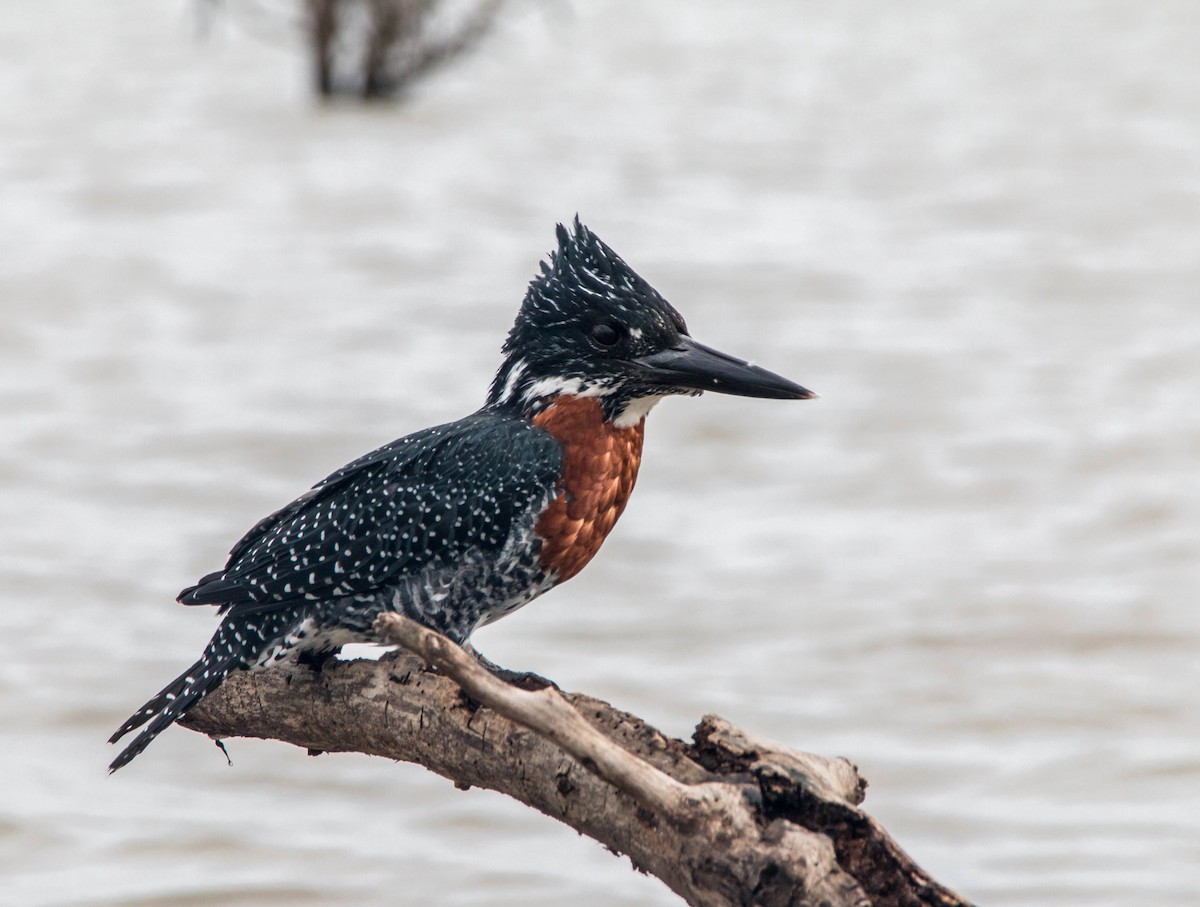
(172, 701)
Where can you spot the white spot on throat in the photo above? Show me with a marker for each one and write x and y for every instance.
(575, 387)
(635, 411)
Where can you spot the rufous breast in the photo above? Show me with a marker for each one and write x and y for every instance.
(600, 467)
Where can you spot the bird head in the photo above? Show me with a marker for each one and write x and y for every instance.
(591, 326)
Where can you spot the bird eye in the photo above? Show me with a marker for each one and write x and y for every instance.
(605, 334)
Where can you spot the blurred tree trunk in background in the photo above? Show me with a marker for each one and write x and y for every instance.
(375, 48)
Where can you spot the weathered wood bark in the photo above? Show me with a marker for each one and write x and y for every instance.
(727, 819)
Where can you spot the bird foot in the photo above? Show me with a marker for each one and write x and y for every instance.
(316, 659)
(525, 680)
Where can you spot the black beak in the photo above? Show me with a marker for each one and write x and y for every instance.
(694, 366)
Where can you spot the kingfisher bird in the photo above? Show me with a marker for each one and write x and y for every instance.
(459, 525)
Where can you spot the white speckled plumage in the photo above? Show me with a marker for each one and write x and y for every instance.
(443, 524)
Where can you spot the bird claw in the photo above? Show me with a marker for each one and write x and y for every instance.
(316, 659)
(525, 680)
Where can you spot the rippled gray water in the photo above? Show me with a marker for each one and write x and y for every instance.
(971, 566)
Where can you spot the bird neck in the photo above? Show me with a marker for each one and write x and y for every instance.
(516, 387)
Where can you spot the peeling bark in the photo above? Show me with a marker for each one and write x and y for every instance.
(726, 819)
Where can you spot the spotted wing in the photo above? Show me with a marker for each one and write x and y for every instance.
(424, 499)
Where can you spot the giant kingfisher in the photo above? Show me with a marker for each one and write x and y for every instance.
(459, 525)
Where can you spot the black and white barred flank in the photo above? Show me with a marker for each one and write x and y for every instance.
(437, 525)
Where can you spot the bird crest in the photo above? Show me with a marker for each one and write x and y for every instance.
(584, 316)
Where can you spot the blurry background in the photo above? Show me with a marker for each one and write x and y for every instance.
(971, 567)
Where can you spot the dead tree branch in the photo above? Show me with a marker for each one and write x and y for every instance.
(727, 819)
(376, 48)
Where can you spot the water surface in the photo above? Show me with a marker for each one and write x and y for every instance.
(971, 567)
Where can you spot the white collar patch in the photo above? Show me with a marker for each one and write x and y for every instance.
(635, 411)
(574, 387)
